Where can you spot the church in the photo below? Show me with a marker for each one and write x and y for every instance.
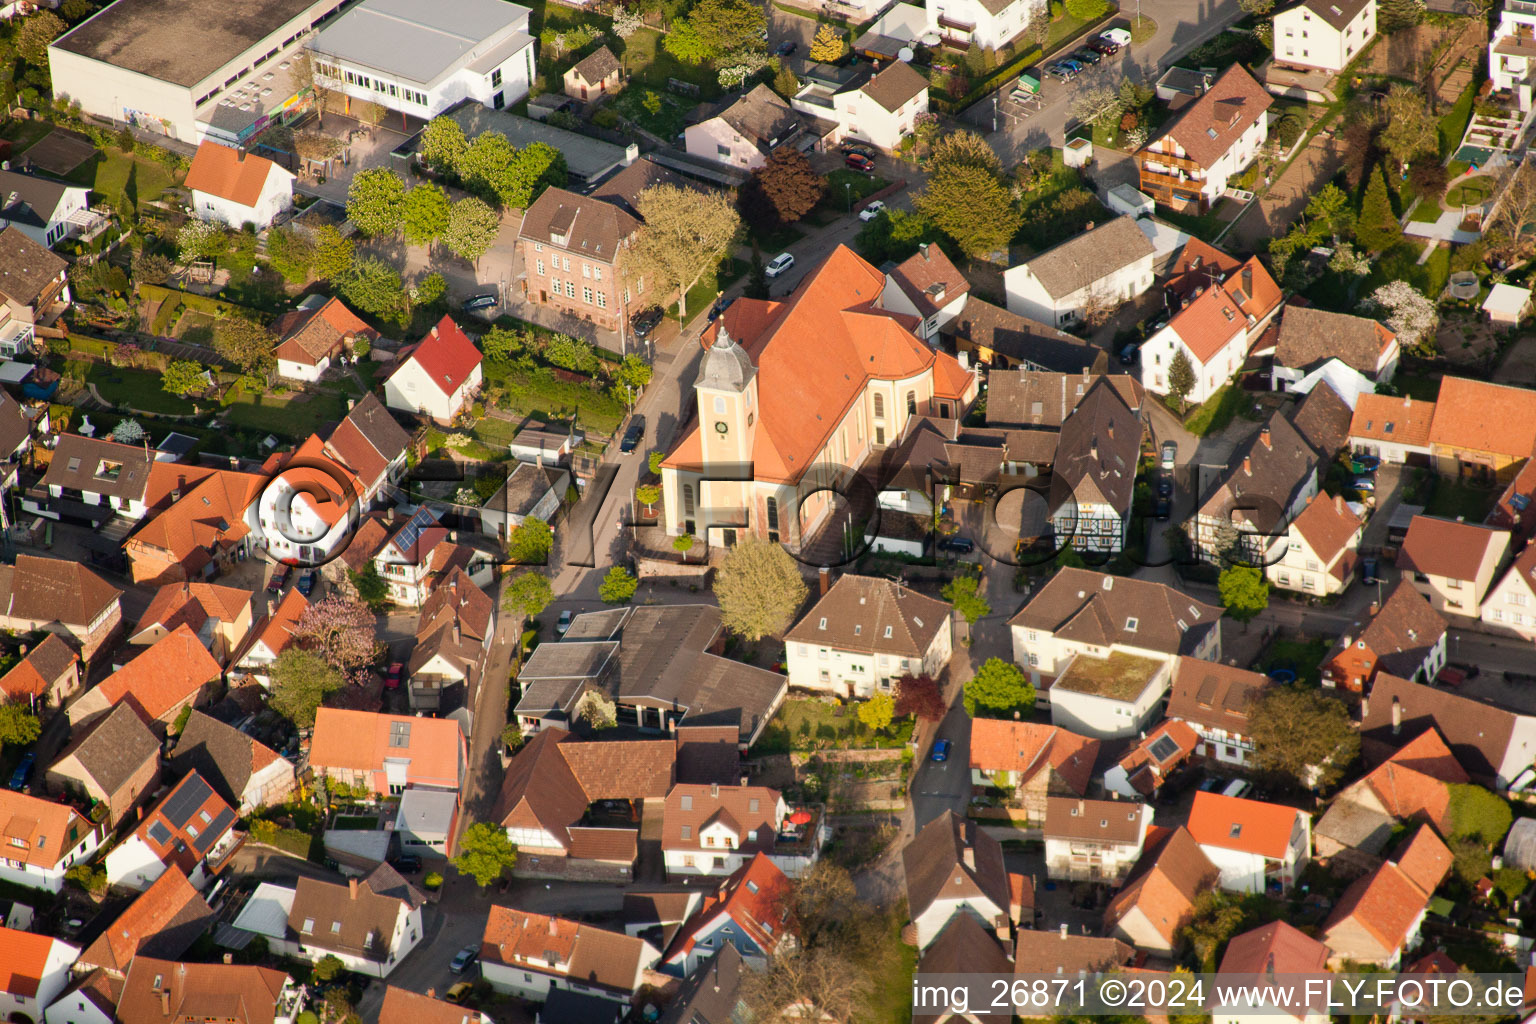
(793, 397)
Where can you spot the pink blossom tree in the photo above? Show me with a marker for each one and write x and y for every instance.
(340, 631)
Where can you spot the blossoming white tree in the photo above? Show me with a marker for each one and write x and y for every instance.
(1410, 314)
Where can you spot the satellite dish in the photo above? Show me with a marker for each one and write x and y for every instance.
(905, 55)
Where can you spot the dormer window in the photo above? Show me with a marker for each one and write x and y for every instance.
(556, 238)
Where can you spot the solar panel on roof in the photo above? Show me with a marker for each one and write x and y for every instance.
(1163, 748)
(191, 795)
(159, 833)
(213, 831)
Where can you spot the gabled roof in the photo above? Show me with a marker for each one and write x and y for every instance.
(39, 669)
(103, 467)
(224, 756)
(230, 174)
(1387, 902)
(1247, 826)
(1327, 525)
(445, 355)
(1479, 734)
(163, 920)
(1095, 608)
(1209, 323)
(1480, 416)
(26, 268)
(275, 630)
(553, 778)
(1212, 124)
(1405, 420)
(1091, 256)
(1096, 458)
(1277, 948)
(168, 673)
(114, 747)
(46, 830)
(186, 823)
(597, 65)
(1165, 883)
(309, 335)
(326, 488)
(1337, 13)
(361, 741)
(1214, 695)
(928, 278)
(711, 995)
(1449, 547)
(1413, 783)
(357, 918)
(402, 1006)
(587, 224)
(1050, 952)
(1264, 476)
(600, 958)
(755, 898)
(1311, 336)
(1157, 754)
(1322, 419)
(1025, 341)
(368, 440)
(952, 857)
(209, 516)
(1027, 748)
(54, 590)
(872, 615)
(1034, 398)
(1105, 821)
(193, 604)
(744, 810)
(31, 199)
(191, 991)
(895, 86)
(23, 961)
(963, 946)
(760, 116)
(1401, 633)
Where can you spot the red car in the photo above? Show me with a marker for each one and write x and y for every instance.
(392, 676)
(859, 162)
(279, 578)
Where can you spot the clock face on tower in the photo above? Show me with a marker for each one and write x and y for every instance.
(721, 427)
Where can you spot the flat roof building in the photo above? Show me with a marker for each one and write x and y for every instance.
(422, 59)
(190, 69)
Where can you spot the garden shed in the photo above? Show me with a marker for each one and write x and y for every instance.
(1520, 845)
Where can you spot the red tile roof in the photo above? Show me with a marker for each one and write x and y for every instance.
(1277, 948)
(276, 630)
(165, 675)
(40, 669)
(1028, 748)
(1209, 323)
(229, 174)
(1165, 883)
(310, 335)
(313, 473)
(446, 354)
(359, 740)
(1446, 547)
(1388, 901)
(1211, 125)
(46, 830)
(23, 961)
(1403, 421)
(186, 842)
(1480, 416)
(170, 903)
(1261, 828)
(757, 893)
(1413, 783)
(1327, 524)
(208, 516)
(193, 604)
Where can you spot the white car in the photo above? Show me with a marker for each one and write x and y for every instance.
(1118, 36)
(872, 211)
(780, 263)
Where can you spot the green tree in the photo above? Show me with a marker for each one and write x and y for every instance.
(648, 495)
(442, 144)
(964, 149)
(18, 726)
(1410, 129)
(333, 255)
(300, 681)
(999, 687)
(530, 541)
(829, 45)
(785, 82)
(1302, 736)
(374, 287)
(327, 967)
(895, 235)
(1244, 592)
(376, 201)
(686, 235)
(972, 206)
(372, 589)
(201, 240)
(290, 254)
(183, 377)
(511, 736)
(759, 588)
(1218, 916)
(685, 43)
(877, 712)
(426, 214)
(485, 853)
(35, 34)
(1328, 211)
(635, 373)
(534, 168)
(182, 718)
(471, 229)
(1377, 229)
(245, 343)
(728, 26)
(484, 165)
(757, 275)
(528, 594)
(1181, 379)
(618, 586)
(961, 592)
(1478, 814)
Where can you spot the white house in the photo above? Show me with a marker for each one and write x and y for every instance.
(958, 23)
(953, 867)
(1393, 429)
(714, 830)
(421, 61)
(1324, 34)
(437, 376)
(531, 955)
(1316, 555)
(43, 840)
(45, 210)
(270, 637)
(35, 971)
(309, 337)
(310, 505)
(864, 633)
(370, 924)
(1094, 840)
(190, 827)
(1511, 51)
(744, 129)
(1214, 700)
(234, 188)
(874, 106)
(1257, 846)
(1511, 604)
(927, 286)
(1100, 268)
(1093, 485)
(1214, 328)
(1211, 142)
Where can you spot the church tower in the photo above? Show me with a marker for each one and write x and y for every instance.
(726, 390)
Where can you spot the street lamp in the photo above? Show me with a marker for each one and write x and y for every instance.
(848, 194)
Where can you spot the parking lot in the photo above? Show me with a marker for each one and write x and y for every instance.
(1016, 103)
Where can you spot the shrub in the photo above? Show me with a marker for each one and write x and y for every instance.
(433, 880)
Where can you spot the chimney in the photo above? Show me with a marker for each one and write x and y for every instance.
(23, 650)
(1093, 450)
(1063, 931)
(229, 958)
(824, 579)
(1346, 640)
(714, 790)
(969, 856)
(1265, 440)
(1248, 280)
(1247, 466)
(352, 887)
(1375, 607)
(1338, 503)
(1397, 716)
(1088, 227)
(240, 155)
(175, 493)
(431, 993)
(1365, 708)
(923, 248)
(391, 513)
(234, 462)
(351, 403)
(553, 928)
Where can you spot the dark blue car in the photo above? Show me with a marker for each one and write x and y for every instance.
(23, 772)
(940, 751)
(307, 583)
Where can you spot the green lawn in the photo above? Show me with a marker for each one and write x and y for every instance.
(1304, 657)
(648, 63)
(290, 415)
(356, 822)
(110, 173)
(891, 1000)
(1401, 263)
(702, 294)
(1205, 226)
(804, 724)
(1427, 212)
(22, 134)
(1217, 411)
(1451, 499)
(135, 389)
(667, 122)
(1473, 191)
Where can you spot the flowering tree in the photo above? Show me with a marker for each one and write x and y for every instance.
(626, 22)
(1409, 313)
(740, 66)
(1345, 260)
(199, 239)
(340, 631)
(127, 432)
